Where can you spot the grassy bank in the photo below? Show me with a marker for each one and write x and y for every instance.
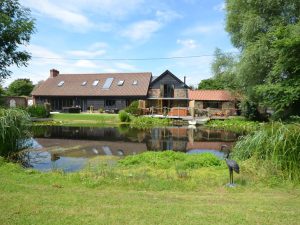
(237, 124)
(76, 119)
(142, 193)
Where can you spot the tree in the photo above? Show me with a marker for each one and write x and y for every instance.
(268, 36)
(16, 27)
(224, 75)
(20, 87)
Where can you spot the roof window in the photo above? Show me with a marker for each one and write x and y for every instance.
(83, 83)
(108, 83)
(95, 83)
(61, 83)
(135, 82)
(120, 82)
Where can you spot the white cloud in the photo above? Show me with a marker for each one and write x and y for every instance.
(85, 63)
(142, 30)
(166, 16)
(188, 43)
(114, 9)
(209, 29)
(125, 66)
(75, 19)
(220, 7)
(94, 50)
(195, 69)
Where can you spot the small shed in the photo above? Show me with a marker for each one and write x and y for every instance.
(216, 102)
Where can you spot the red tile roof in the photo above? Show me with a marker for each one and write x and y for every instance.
(210, 95)
(72, 85)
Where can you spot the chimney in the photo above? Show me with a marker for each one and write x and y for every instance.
(54, 73)
(184, 79)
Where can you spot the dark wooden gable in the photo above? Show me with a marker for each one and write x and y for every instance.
(168, 78)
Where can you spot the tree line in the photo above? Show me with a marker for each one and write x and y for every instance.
(266, 72)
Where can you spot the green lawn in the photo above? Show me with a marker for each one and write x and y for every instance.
(30, 197)
(88, 119)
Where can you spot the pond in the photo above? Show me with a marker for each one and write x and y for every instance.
(70, 148)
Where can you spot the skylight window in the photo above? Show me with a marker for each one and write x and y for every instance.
(61, 83)
(95, 83)
(108, 83)
(135, 82)
(120, 82)
(83, 83)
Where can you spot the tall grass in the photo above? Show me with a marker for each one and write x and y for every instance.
(278, 144)
(14, 129)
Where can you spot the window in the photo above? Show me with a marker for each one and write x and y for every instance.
(108, 83)
(212, 104)
(109, 102)
(84, 83)
(168, 90)
(61, 83)
(95, 83)
(135, 82)
(120, 82)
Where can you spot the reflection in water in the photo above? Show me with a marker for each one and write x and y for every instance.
(68, 148)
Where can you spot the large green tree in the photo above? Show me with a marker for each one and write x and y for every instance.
(223, 69)
(16, 27)
(268, 36)
(20, 87)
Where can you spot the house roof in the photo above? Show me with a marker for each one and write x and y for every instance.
(211, 95)
(167, 72)
(73, 85)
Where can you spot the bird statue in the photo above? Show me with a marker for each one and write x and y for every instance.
(232, 165)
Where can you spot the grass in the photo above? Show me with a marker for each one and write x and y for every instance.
(74, 119)
(276, 143)
(134, 195)
(237, 124)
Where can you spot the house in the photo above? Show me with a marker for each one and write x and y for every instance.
(167, 91)
(216, 102)
(99, 91)
(165, 94)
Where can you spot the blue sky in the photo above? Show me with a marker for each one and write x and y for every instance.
(71, 34)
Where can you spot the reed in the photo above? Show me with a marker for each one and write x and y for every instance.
(277, 143)
(14, 129)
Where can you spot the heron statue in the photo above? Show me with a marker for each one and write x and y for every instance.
(232, 165)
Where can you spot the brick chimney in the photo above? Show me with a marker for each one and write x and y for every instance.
(54, 73)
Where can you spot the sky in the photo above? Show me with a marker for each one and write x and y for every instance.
(91, 36)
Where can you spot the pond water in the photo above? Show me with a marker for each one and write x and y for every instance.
(70, 148)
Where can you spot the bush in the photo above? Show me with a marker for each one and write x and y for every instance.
(148, 122)
(124, 116)
(133, 108)
(14, 129)
(38, 111)
(168, 159)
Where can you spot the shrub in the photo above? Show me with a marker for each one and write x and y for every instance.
(167, 159)
(38, 111)
(133, 108)
(124, 116)
(148, 122)
(14, 129)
